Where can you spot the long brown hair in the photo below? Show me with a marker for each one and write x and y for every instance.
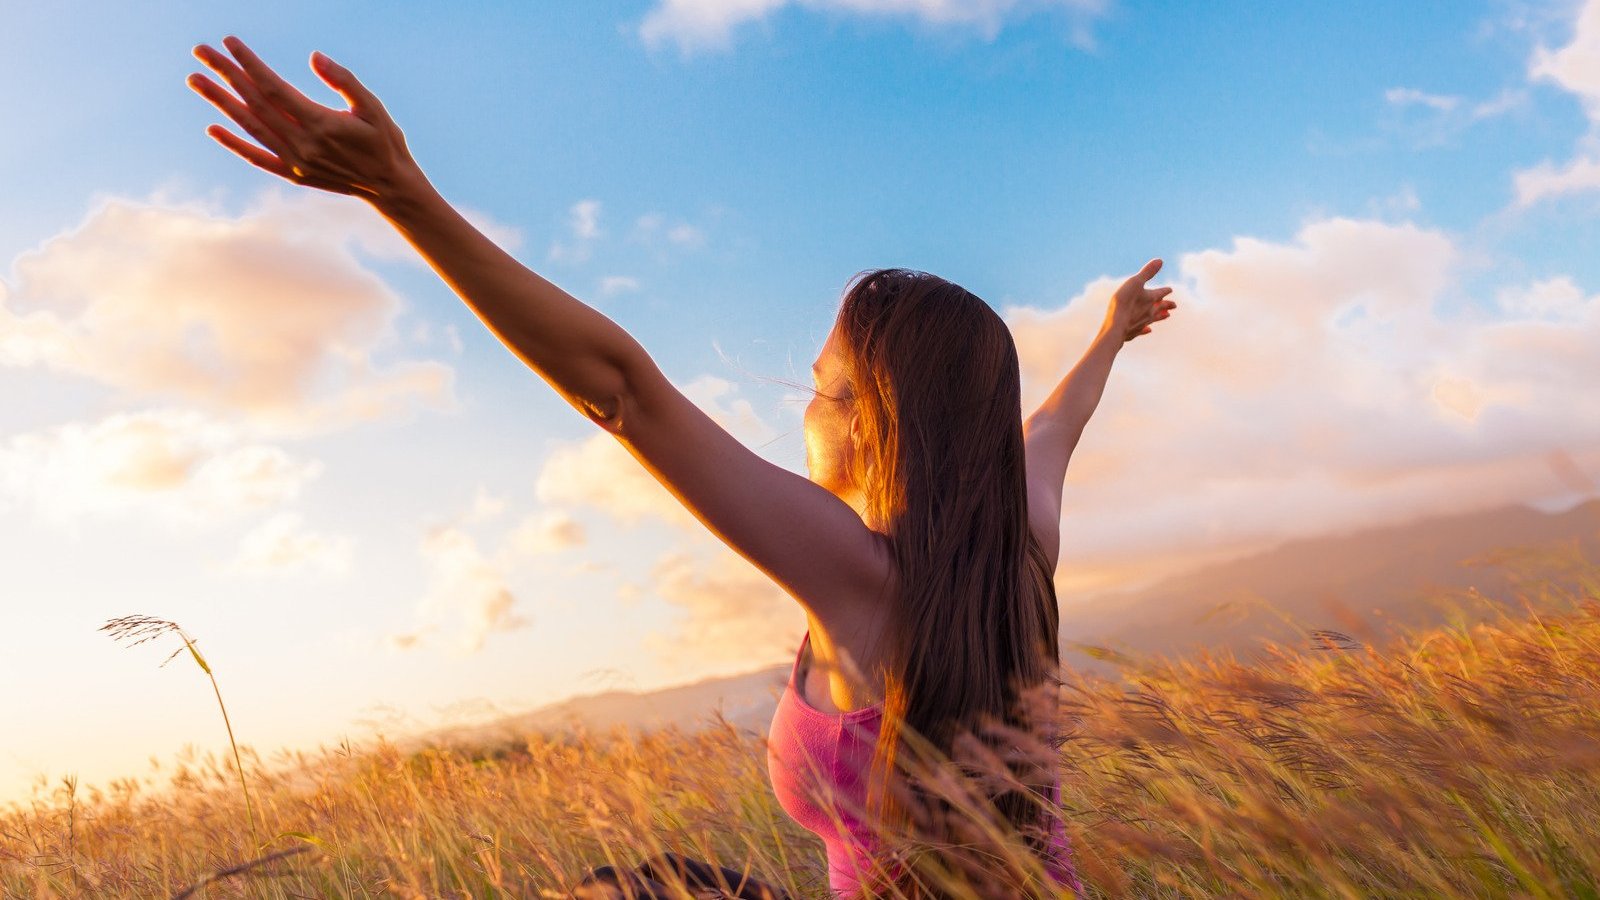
(935, 381)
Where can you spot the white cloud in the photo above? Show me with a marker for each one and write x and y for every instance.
(538, 534)
(664, 236)
(266, 314)
(1556, 299)
(1547, 180)
(1414, 97)
(653, 230)
(467, 593)
(282, 544)
(612, 285)
(1500, 104)
(176, 465)
(699, 24)
(423, 334)
(586, 219)
(1331, 382)
(686, 235)
(1426, 119)
(1576, 69)
(693, 24)
(485, 506)
(583, 220)
(470, 591)
(1401, 204)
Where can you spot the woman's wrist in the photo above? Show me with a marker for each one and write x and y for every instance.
(1112, 335)
(403, 196)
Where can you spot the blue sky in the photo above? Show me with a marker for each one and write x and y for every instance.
(1335, 189)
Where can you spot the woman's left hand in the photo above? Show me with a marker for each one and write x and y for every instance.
(1135, 307)
(359, 151)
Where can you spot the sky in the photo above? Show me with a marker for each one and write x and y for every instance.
(247, 407)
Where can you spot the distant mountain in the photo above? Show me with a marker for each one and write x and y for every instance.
(1367, 583)
(747, 701)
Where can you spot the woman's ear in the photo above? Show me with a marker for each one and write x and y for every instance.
(858, 452)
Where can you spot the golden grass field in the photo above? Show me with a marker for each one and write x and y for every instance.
(1463, 762)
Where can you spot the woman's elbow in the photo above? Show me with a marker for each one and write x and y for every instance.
(606, 412)
(609, 388)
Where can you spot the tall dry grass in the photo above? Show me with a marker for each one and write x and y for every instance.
(1464, 762)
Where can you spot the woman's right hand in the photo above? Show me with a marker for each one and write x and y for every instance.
(1135, 308)
(359, 151)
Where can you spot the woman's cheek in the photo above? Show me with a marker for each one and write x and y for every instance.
(808, 431)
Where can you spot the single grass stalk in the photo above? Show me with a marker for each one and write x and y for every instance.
(136, 630)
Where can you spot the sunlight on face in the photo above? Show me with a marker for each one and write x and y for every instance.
(827, 421)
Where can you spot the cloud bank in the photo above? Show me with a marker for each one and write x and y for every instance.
(175, 465)
(267, 315)
(1574, 68)
(265, 324)
(1330, 382)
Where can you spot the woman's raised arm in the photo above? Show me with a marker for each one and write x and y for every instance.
(1051, 433)
(804, 537)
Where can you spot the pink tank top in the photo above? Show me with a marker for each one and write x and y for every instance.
(813, 754)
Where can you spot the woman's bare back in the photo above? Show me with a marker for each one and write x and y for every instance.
(842, 669)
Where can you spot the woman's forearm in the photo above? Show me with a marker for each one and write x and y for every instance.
(1052, 431)
(584, 355)
(1074, 399)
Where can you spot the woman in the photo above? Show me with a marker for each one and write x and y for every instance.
(921, 546)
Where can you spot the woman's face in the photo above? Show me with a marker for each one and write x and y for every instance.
(827, 422)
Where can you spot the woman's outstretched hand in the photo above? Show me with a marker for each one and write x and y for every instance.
(359, 151)
(1135, 308)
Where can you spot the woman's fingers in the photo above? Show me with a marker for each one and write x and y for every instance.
(363, 102)
(266, 113)
(252, 154)
(1158, 309)
(1142, 324)
(272, 86)
(233, 108)
(266, 161)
